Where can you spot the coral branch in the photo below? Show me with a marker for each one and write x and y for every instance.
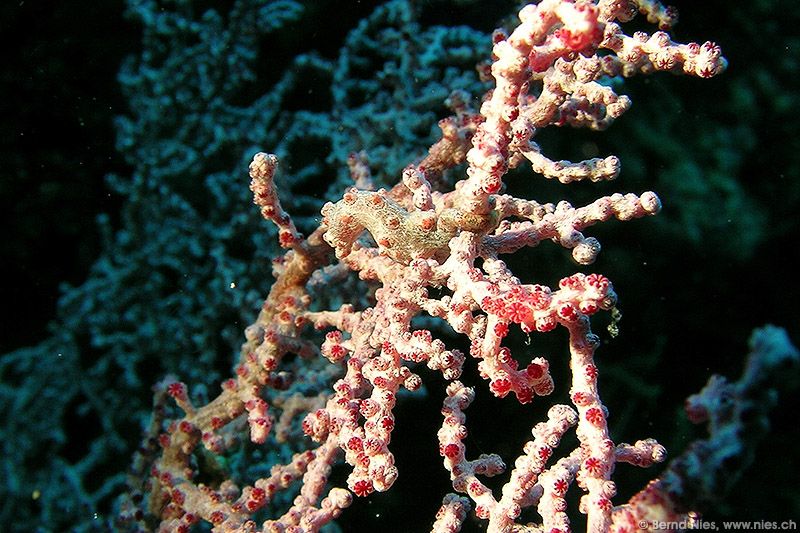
(420, 262)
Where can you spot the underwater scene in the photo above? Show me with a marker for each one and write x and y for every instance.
(403, 265)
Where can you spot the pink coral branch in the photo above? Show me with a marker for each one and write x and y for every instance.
(430, 255)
